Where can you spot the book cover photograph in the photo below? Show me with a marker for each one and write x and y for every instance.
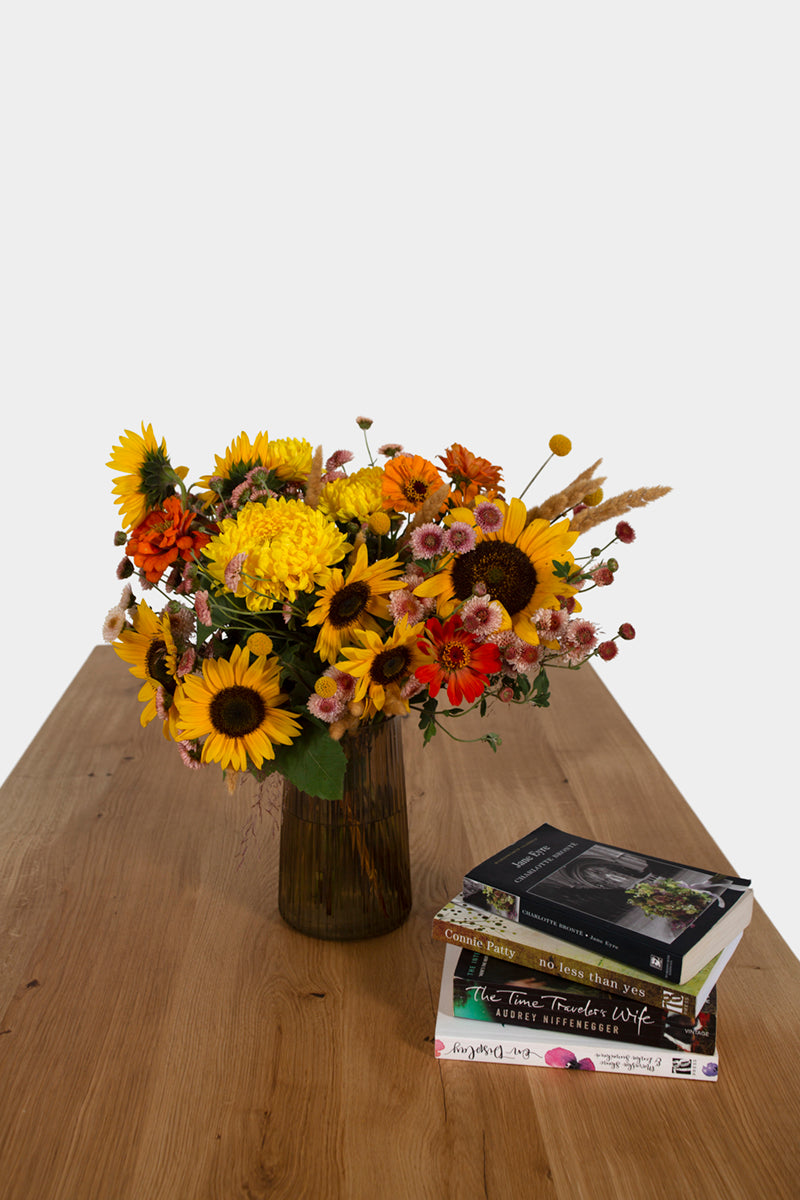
(486, 989)
(460, 924)
(465, 1040)
(661, 916)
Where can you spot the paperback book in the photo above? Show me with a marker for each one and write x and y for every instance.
(481, 1041)
(486, 989)
(459, 924)
(659, 916)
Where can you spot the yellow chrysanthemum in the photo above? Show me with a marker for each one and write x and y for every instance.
(355, 498)
(380, 668)
(347, 604)
(514, 564)
(288, 548)
(149, 650)
(148, 476)
(288, 458)
(235, 707)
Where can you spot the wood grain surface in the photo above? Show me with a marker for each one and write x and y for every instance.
(164, 1036)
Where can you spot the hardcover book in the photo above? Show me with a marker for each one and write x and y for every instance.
(486, 989)
(659, 916)
(483, 1041)
(459, 924)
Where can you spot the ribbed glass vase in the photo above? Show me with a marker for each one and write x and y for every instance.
(344, 864)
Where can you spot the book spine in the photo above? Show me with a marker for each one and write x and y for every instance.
(625, 1060)
(604, 979)
(594, 1015)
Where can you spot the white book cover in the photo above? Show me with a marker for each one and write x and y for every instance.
(485, 1041)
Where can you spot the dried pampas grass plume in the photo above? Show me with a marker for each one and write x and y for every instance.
(561, 502)
(616, 506)
(314, 481)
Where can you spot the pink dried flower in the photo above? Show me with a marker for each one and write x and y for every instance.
(162, 707)
(327, 708)
(607, 651)
(125, 569)
(413, 576)
(460, 538)
(427, 541)
(488, 516)
(202, 609)
(337, 460)
(390, 449)
(186, 664)
(403, 603)
(624, 532)
(364, 422)
(481, 617)
(345, 684)
(190, 755)
(603, 577)
(581, 632)
(627, 632)
(287, 612)
(113, 624)
(528, 656)
(506, 695)
(233, 572)
(412, 687)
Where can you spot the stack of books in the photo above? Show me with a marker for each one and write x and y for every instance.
(565, 952)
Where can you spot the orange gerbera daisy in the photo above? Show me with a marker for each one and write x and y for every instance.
(456, 659)
(166, 534)
(471, 475)
(408, 481)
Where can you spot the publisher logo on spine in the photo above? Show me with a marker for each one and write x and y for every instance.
(656, 962)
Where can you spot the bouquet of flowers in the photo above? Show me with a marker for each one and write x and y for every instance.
(300, 597)
(669, 898)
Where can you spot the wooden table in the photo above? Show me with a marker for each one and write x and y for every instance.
(163, 1034)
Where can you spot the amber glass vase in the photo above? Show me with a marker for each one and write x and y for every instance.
(344, 864)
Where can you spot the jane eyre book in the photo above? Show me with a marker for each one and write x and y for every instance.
(486, 989)
(660, 916)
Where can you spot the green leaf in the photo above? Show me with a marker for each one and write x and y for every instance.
(314, 763)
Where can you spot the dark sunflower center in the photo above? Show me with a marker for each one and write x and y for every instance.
(348, 604)
(415, 490)
(508, 573)
(156, 664)
(390, 665)
(236, 711)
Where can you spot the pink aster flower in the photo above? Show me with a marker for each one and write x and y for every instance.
(113, 624)
(550, 623)
(190, 755)
(345, 684)
(162, 707)
(390, 449)
(488, 516)
(607, 651)
(233, 572)
(427, 541)
(202, 609)
(337, 460)
(481, 617)
(528, 657)
(327, 708)
(603, 577)
(186, 665)
(403, 603)
(625, 533)
(412, 687)
(460, 538)
(125, 569)
(413, 576)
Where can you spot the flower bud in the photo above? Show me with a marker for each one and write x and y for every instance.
(607, 651)
(364, 422)
(624, 532)
(612, 564)
(125, 569)
(120, 537)
(627, 632)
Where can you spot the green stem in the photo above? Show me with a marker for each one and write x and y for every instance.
(536, 476)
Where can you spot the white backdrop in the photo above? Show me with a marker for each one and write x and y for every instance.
(476, 223)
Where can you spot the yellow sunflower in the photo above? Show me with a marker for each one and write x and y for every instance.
(379, 667)
(148, 476)
(288, 458)
(282, 547)
(355, 498)
(235, 707)
(347, 604)
(514, 564)
(149, 649)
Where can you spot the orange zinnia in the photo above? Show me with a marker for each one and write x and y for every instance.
(457, 660)
(166, 534)
(471, 475)
(408, 481)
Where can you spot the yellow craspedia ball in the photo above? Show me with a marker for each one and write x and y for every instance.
(559, 444)
(259, 643)
(593, 498)
(325, 686)
(379, 523)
